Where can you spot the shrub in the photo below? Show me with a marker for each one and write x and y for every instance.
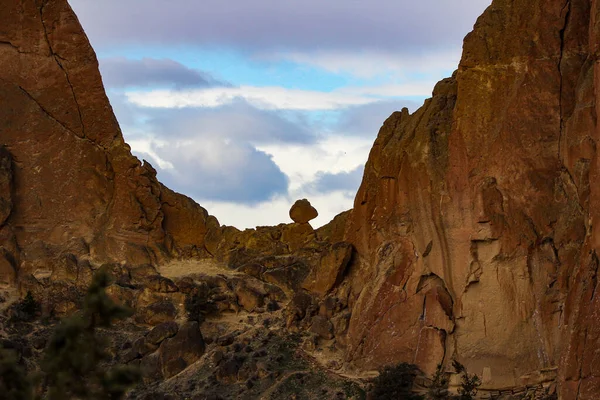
(396, 382)
(469, 382)
(439, 385)
(198, 304)
(14, 383)
(73, 361)
(26, 309)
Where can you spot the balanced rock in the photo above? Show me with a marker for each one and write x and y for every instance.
(302, 211)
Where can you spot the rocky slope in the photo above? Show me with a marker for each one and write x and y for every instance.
(473, 235)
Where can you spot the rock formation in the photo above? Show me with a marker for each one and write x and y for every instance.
(302, 212)
(475, 226)
(474, 235)
(68, 180)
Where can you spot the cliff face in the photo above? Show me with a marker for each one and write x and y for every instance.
(69, 182)
(476, 224)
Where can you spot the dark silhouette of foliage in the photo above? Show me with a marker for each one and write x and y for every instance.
(469, 382)
(198, 304)
(75, 356)
(26, 309)
(14, 383)
(439, 385)
(396, 382)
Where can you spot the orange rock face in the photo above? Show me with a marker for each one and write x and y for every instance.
(72, 176)
(476, 222)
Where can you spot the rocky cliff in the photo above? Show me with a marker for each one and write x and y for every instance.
(473, 237)
(69, 182)
(476, 224)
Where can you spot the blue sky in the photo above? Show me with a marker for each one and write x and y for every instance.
(248, 105)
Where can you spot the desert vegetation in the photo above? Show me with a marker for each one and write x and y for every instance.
(74, 363)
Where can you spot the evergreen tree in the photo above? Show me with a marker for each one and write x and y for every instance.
(73, 361)
(14, 383)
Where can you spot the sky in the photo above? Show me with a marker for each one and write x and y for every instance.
(249, 105)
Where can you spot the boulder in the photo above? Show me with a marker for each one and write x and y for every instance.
(302, 212)
(161, 332)
(156, 313)
(330, 269)
(183, 349)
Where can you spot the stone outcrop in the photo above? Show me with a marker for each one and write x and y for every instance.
(65, 172)
(302, 211)
(476, 225)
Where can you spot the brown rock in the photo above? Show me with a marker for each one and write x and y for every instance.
(6, 187)
(297, 235)
(150, 367)
(8, 273)
(491, 187)
(75, 176)
(302, 212)
(330, 270)
(183, 349)
(322, 327)
(162, 331)
(142, 346)
(156, 313)
(248, 297)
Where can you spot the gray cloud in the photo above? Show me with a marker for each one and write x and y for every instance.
(237, 121)
(327, 182)
(234, 172)
(120, 72)
(270, 25)
(365, 120)
(209, 153)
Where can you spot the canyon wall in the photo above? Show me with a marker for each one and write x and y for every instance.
(69, 181)
(476, 224)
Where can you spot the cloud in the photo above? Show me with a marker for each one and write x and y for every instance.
(237, 121)
(268, 98)
(371, 63)
(274, 98)
(210, 154)
(327, 182)
(121, 72)
(365, 120)
(276, 211)
(216, 169)
(391, 26)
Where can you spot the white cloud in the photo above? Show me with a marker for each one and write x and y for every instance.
(372, 63)
(334, 154)
(272, 97)
(276, 211)
(261, 97)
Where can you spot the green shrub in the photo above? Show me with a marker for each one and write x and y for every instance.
(469, 382)
(439, 385)
(75, 358)
(396, 382)
(14, 382)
